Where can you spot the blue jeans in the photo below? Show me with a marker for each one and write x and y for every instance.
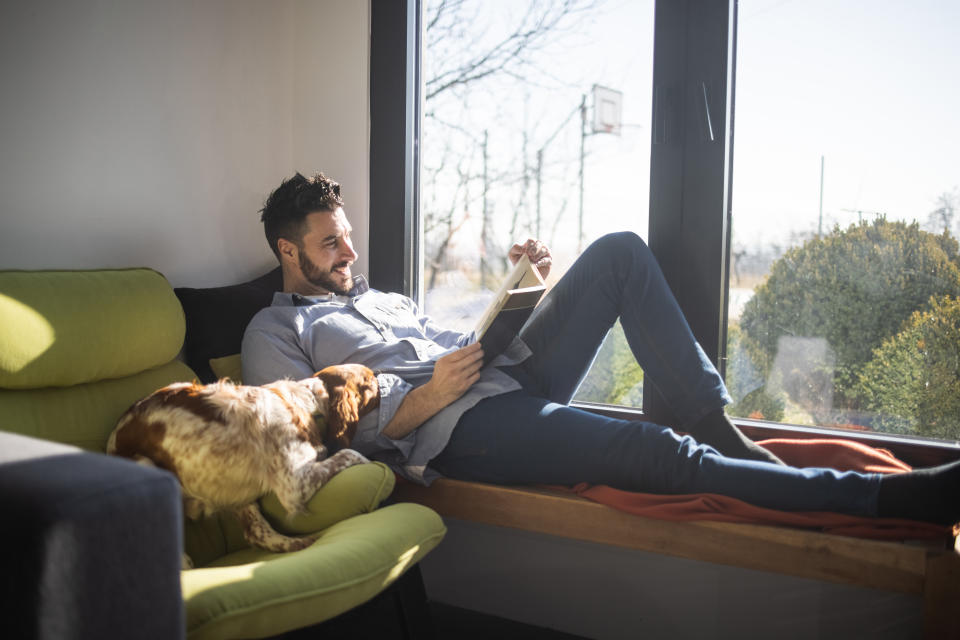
(532, 436)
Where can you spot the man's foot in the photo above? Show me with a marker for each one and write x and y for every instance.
(931, 495)
(716, 430)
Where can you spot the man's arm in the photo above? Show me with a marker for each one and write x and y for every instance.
(453, 374)
(267, 357)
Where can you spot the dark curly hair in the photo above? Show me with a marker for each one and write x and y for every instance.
(285, 211)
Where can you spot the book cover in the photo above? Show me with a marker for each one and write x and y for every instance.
(508, 311)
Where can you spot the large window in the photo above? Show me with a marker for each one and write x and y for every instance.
(843, 307)
(535, 125)
(817, 267)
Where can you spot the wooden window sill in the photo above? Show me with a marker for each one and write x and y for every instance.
(932, 573)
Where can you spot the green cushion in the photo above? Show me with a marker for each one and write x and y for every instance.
(359, 489)
(85, 414)
(61, 328)
(255, 593)
(227, 367)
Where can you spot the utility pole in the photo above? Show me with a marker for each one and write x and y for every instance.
(820, 221)
(484, 229)
(583, 144)
(540, 159)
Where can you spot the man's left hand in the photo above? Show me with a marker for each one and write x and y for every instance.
(536, 251)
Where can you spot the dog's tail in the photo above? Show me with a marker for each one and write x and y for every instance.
(258, 532)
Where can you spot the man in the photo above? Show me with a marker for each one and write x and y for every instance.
(443, 413)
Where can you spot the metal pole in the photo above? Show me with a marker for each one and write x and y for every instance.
(583, 140)
(539, 182)
(820, 221)
(544, 146)
(486, 216)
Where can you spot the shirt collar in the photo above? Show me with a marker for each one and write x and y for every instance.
(360, 286)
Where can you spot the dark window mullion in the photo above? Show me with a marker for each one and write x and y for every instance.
(689, 167)
(394, 133)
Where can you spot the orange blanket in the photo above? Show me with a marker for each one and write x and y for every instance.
(843, 455)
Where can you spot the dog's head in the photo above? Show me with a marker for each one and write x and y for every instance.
(353, 392)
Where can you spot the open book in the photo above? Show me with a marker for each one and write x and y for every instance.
(509, 309)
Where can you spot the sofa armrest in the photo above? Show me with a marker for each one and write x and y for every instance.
(93, 544)
(355, 490)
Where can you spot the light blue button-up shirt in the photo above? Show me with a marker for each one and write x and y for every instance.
(297, 336)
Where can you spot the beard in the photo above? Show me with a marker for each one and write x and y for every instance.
(329, 280)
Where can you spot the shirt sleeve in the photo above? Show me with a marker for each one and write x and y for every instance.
(267, 357)
(369, 437)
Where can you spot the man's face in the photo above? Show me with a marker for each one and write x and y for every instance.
(327, 252)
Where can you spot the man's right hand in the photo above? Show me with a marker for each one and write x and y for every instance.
(456, 372)
(453, 374)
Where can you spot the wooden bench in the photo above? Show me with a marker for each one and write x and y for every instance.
(932, 573)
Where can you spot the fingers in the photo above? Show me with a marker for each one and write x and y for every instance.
(464, 353)
(467, 362)
(539, 256)
(456, 372)
(534, 249)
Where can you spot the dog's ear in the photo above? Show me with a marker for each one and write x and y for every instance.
(354, 392)
(343, 414)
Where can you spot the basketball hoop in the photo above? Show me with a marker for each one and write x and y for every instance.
(607, 110)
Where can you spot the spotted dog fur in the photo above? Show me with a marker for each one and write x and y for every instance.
(231, 444)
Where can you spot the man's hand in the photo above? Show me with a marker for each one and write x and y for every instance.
(453, 374)
(537, 252)
(456, 372)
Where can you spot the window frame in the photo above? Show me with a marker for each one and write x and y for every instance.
(690, 183)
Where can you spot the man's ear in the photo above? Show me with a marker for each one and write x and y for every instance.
(288, 250)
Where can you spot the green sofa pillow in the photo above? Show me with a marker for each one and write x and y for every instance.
(63, 328)
(254, 593)
(227, 367)
(355, 490)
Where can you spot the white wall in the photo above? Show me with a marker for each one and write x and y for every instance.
(137, 132)
(609, 593)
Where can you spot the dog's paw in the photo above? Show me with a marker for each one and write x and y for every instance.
(352, 457)
(185, 562)
(298, 544)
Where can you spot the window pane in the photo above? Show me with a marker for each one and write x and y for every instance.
(844, 269)
(536, 125)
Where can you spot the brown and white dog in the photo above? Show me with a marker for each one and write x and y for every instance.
(231, 444)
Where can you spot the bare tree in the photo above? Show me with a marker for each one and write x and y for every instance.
(465, 60)
(461, 60)
(941, 219)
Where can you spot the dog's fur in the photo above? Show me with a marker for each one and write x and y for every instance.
(230, 444)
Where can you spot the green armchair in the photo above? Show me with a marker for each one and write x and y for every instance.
(76, 349)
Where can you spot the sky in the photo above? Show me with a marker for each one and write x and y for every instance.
(868, 86)
(869, 90)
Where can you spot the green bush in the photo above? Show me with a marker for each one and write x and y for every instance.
(615, 377)
(913, 380)
(854, 288)
(746, 386)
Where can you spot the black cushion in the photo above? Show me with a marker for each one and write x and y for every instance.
(218, 316)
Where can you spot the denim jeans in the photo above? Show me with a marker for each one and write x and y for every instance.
(532, 436)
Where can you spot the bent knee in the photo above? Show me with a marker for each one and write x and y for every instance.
(622, 247)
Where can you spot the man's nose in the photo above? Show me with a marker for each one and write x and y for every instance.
(347, 252)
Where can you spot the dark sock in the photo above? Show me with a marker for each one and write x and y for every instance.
(931, 495)
(716, 430)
